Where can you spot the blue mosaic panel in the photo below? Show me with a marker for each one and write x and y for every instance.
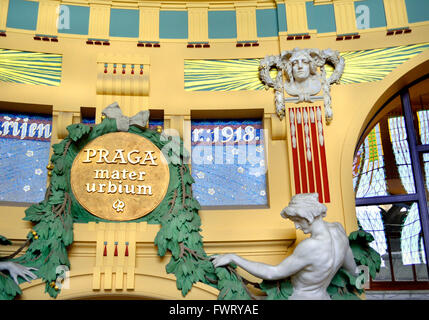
(154, 124)
(24, 155)
(88, 120)
(228, 163)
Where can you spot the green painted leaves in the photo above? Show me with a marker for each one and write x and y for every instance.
(4, 241)
(77, 131)
(277, 290)
(363, 253)
(9, 289)
(230, 285)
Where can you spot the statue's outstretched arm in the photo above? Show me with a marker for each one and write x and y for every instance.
(16, 270)
(286, 268)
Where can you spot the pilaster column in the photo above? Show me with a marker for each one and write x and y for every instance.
(149, 21)
(246, 21)
(198, 29)
(99, 21)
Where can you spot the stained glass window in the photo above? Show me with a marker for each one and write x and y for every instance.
(423, 121)
(370, 220)
(411, 238)
(398, 138)
(228, 163)
(24, 155)
(369, 176)
(394, 145)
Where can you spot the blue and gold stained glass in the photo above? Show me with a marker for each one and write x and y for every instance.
(369, 176)
(412, 248)
(370, 220)
(398, 138)
(228, 163)
(24, 155)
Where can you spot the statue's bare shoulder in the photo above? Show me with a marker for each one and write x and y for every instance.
(338, 229)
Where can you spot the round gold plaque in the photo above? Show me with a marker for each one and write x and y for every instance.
(120, 176)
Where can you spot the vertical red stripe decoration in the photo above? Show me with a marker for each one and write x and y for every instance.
(322, 154)
(308, 151)
(315, 145)
(301, 153)
(294, 150)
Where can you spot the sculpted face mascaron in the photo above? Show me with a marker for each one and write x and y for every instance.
(120, 176)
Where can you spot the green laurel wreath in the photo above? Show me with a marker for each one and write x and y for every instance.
(177, 214)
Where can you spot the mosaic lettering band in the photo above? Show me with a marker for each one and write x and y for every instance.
(176, 212)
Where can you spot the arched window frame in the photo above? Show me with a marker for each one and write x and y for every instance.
(419, 197)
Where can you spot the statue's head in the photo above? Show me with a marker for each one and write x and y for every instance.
(300, 64)
(303, 209)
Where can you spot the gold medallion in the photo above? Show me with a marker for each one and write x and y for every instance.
(120, 176)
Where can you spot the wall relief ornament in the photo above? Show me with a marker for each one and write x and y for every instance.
(53, 219)
(302, 74)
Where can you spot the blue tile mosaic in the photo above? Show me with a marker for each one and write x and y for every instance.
(154, 124)
(228, 163)
(24, 155)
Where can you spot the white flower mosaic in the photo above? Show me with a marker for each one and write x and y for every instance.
(38, 172)
(29, 153)
(211, 191)
(201, 175)
(26, 188)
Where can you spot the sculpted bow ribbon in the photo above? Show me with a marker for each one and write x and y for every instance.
(123, 123)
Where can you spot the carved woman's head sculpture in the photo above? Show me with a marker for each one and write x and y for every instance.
(304, 206)
(300, 64)
(306, 76)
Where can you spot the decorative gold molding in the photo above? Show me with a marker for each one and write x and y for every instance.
(127, 83)
(345, 18)
(4, 6)
(246, 21)
(396, 13)
(47, 17)
(115, 255)
(61, 120)
(99, 21)
(198, 23)
(296, 17)
(149, 22)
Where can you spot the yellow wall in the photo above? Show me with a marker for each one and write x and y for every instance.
(258, 234)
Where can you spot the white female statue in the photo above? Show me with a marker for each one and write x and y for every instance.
(315, 260)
